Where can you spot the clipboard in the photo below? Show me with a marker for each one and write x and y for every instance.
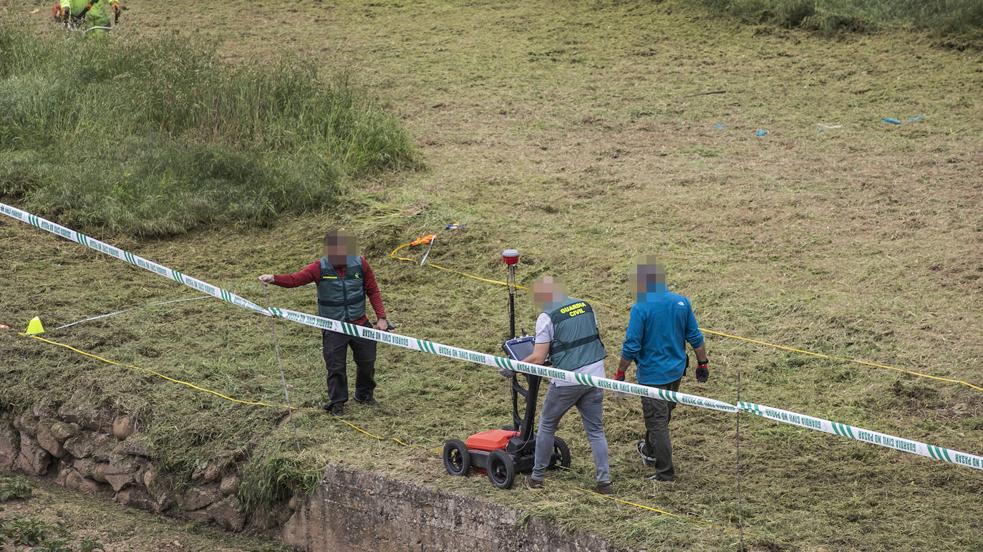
(520, 347)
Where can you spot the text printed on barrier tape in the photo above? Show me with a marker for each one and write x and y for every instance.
(425, 346)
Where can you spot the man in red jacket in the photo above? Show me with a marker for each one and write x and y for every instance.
(344, 280)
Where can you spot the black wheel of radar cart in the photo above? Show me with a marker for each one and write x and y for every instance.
(501, 469)
(457, 459)
(561, 454)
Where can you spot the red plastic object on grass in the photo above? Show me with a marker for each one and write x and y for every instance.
(493, 439)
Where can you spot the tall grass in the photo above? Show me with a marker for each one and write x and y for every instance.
(274, 473)
(957, 19)
(157, 136)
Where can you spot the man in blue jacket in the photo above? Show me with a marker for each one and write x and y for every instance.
(660, 325)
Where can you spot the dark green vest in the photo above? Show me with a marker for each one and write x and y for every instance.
(576, 342)
(341, 298)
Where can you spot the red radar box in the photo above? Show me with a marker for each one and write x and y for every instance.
(493, 439)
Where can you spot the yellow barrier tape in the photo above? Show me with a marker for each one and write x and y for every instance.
(644, 507)
(393, 255)
(225, 397)
(360, 430)
(199, 388)
(842, 359)
(156, 374)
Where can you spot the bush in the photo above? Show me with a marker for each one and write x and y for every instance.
(962, 19)
(273, 474)
(157, 136)
(14, 488)
(26, 531)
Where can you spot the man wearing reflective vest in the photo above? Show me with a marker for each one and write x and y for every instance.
(567, 333)
(344, 281)
(94, 13)
(660, 325)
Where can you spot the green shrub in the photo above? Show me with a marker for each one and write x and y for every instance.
(26, 531)
(14, 488)
(273, 474)
(157, 136)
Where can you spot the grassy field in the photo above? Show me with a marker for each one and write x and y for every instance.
(586, 137)
(153, 136)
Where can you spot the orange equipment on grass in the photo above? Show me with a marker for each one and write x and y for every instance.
(423, 240)
(493, 439)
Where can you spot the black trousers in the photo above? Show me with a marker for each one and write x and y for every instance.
(335, 347)
(657, 443)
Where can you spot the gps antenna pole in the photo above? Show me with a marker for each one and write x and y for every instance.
(511, 258)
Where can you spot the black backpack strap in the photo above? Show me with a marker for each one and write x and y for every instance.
(574, 344)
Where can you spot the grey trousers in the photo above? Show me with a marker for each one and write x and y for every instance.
(589, 401)
(657, 443)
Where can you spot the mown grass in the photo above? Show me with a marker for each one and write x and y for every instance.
(959, 20)
(156, 136)
(576, 137)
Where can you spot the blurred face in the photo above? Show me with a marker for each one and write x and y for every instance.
(547, 291)
(648, 276)
(338, 246)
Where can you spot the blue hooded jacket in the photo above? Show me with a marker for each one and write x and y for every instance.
(660, 325)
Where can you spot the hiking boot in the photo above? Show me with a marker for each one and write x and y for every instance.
(367, 401)
(336, 409)
(604, 488)
(533, 484)
(647, 460)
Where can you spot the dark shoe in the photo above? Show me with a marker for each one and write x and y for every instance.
(336, 409)
(532, 484)
(646, 459)
(368, 401)
(604, 488)
(659, 479)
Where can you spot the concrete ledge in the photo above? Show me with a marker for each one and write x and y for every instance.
(365, 512)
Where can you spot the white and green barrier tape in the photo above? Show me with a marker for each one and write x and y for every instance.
(130, 258)
(430, 347)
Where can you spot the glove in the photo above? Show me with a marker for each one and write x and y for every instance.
(703, 371)
(620, 376)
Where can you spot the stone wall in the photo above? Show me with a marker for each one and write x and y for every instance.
(365, 512)
(93, 451)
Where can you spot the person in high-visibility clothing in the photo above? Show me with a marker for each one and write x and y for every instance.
(93, 13)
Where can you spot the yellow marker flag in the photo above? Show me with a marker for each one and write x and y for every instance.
(34, 327)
